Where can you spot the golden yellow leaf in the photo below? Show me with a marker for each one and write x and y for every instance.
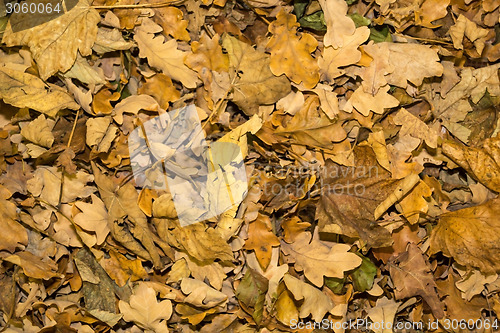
(415, 203)
(200, 294)
(431, 10)
(161, 88)
(365, 102)
(55, 44)
(121, 269)
(170, 19)
(261, 239)
(291, 51)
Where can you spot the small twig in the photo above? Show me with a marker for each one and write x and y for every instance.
(367, 9)
(424, 39)
(73, 129)
(144, 5)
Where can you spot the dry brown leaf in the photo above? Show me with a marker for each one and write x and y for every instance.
(254, 83)
(13, 234)
(38, 131)
(315, 303)
(261, 239)
(412, 276)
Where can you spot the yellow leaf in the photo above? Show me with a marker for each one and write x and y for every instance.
(291, 51)
(55, 44)
(364, 102)
(261, 239)
(384, 311)
(415, 203)
(200, 294)
(170, 19)
(161, 88)
(34, 266)
(121, 269)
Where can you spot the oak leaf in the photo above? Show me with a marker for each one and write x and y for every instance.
(291, 51)
(164, 55)
(315, 302)
(38, 131)
(384, 311)
(339, 26)
(261, 239)
(464, 27)
(364, 102)
(308, 256)
(347, 54)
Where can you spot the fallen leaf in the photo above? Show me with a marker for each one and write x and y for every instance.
(144, 310)
(55, 44)
(308, 255)
(291, 51)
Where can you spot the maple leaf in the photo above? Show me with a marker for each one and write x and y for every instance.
(470, 235)
(334, 259)
(144, 310)
(55, 44)
(94, 218)
(291, 51)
